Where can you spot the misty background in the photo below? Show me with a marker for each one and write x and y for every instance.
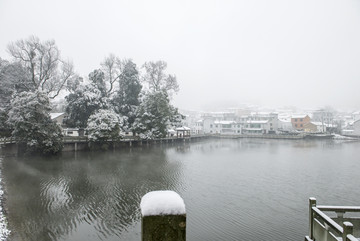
(224, 53)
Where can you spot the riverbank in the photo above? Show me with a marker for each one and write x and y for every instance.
(74, 144)
(4, 231)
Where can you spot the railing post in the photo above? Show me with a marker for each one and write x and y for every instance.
(163, 217)
(340, 216)
(312, 203)
(348, 229)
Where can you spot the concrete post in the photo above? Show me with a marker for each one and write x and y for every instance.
(163, 217)
(312, 203)
(348, 229)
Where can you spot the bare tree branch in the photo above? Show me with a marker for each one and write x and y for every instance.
(43, 64)
(112, 67)
(156, 78)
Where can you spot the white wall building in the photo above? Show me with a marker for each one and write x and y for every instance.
(198, 128)
(356, 128)
(227, 127)
(285, 125)
(73, 132)
(356, 115)
(58, 117)
(256, 127)
(212, 126)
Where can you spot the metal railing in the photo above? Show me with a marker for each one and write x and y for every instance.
(325, 228)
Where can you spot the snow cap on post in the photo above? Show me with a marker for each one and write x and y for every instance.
(162, 203)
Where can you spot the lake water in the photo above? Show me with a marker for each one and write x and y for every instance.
(244, 189)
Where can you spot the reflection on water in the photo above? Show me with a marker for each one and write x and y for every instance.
(96, 193)
(233, 189)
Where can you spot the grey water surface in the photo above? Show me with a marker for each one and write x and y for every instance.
(244, 189)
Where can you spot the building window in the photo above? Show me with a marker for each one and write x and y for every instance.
(295, 125)
(301, 125)
(216, 126)
(70, 132)
(295, 120)
(210, 125)
(301, 119)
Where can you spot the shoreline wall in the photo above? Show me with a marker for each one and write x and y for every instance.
(14, 149)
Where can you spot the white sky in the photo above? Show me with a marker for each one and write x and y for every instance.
(273, 53)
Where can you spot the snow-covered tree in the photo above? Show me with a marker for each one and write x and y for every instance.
(85, 99)
(11, 75)
(126, 99)
(30, 118)
(157, 79)
(45, 70)
(12, 78)
(155, 115)
(97, 79)
(104, 125)
(5, 128)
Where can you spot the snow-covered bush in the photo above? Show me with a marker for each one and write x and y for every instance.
(104, 125)
(30, 119)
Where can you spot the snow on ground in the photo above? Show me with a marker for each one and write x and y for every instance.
(4, 232)
(162, 203)
(340, 137)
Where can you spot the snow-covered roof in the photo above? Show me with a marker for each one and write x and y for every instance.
(224, 122)
(261, 113)
(56, 115)
(162, 203)
(253, 129)
(299, 116)
(285, 120)
(317, 123)
(183, 128)
(257, 121)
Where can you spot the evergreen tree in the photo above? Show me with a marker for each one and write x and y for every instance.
(97, 79)
(30, 118)
(155, 115)
(126, 100)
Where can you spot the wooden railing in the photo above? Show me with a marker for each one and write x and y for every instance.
(325, 228)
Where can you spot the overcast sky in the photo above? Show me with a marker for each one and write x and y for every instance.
(224, 53)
